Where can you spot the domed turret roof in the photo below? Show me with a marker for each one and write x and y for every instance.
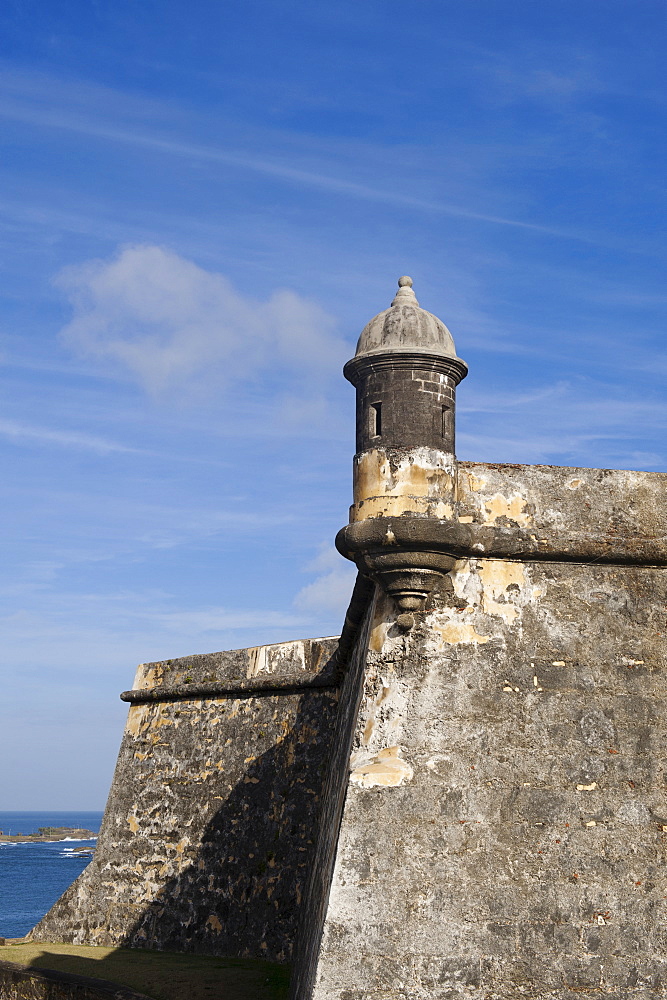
(406, 327)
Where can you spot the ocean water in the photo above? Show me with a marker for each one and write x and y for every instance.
(33, 876)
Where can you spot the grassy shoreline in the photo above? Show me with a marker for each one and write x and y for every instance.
(158, 974)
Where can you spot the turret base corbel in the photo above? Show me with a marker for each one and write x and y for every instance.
(408, 573)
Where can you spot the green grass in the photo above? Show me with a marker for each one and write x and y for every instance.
(159, 974)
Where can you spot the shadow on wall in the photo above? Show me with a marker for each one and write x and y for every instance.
(261, 823)
(240, 895)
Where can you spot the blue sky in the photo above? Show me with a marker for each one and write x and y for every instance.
(201, 207)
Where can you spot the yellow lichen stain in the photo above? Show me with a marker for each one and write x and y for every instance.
(181, 845)
(144, 677)
(202, 776)
(475, 483)
(132, 822)
(466, 519)
(422, 473)
(141, 756)
(387, 768)
(137, 718)
(269, 659)
(497, 577)
(256, 660)
(574, 484)
(392, 506)
(214, 924)
(378, 636)
(162, 721)
(148, 676)
(512, 507)
(456, 632)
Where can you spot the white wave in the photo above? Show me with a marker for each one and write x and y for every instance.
(24, 843)
(76, 840)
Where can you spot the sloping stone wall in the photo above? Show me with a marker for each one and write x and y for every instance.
(334, 790)
(505, 824)
(210, 825)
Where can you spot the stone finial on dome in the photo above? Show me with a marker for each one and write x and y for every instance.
(405, 327)
(405, 292)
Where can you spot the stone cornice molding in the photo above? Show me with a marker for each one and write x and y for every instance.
(242, 688)
(409, 535)
(404, 359)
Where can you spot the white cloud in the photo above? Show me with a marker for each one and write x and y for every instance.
(66, 629)
(173, 325)
(330, 592)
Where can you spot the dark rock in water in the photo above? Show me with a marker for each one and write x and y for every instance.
(50, 833)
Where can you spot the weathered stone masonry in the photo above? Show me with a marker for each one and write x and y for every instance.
(465, 797)
(504, 829)
(209, 828)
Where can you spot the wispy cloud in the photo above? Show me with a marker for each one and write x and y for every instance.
(330, 592)
(579, 422)
(204, 621)
(171, 324)
(139, 628)
(15, 431)
(557, 79)
(34, 105)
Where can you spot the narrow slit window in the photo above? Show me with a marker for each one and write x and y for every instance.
(376, 419)
(446, 421)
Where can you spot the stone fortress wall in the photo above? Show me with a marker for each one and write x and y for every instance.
(504, 814)
(209, 827)
(504, 829)
(463, 797)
